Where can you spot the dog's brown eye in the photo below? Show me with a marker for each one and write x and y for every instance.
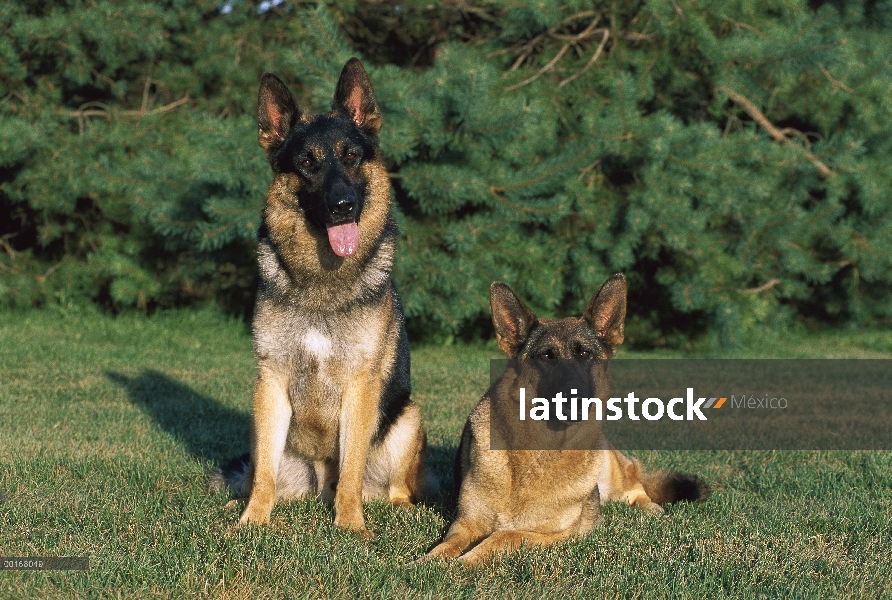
(306, 163)
(351, 155)
(584, 354)
(546, 355)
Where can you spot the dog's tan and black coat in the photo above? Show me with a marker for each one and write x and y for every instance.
(332, 410)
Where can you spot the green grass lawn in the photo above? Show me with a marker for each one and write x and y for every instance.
(109, 426)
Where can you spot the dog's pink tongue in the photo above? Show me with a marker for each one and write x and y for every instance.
(344, 239)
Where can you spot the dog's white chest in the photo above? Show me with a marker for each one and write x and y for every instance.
(317, 344)
(344, 344)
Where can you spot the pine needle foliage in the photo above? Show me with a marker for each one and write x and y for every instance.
(732, 158)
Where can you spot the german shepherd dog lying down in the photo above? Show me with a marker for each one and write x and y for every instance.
(511, 497)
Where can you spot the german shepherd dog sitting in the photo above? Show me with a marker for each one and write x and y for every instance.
(510, 497)
(332, 412)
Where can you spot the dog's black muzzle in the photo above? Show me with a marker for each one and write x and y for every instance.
(343, 209)
(342, 206)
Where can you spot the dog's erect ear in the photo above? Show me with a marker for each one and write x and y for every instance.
(513, 320)
(276, 112)
(606, 313)
(354, 96)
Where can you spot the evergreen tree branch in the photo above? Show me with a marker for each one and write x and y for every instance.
(556, 169)
(587, 168)
(6, 246)
(590, 62)
(160, 109)
(541, 71)
(739, 25)
(678, 10)
(48, 272)
(494, 190)
(836, 84)
(765, 286)
(523, 52)
(569, 40)
(776, 134)
(103, 110)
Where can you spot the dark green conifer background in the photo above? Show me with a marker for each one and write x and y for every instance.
(733, 158)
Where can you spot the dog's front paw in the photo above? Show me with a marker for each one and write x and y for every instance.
(355, 523)
(444, 550)
(366, 534)
(423, 560)
(254, 516)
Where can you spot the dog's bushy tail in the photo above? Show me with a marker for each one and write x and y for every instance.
(234, 477)
(665, 488)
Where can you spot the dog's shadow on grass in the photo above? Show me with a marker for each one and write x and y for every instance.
(441, 460)
(208, 430)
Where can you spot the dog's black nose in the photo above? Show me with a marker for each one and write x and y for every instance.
(342, 208)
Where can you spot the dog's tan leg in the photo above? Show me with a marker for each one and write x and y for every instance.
(404, 446)
(460, 535)
(359, 417)
(412, 482)
(505, 542)
(272, 416)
